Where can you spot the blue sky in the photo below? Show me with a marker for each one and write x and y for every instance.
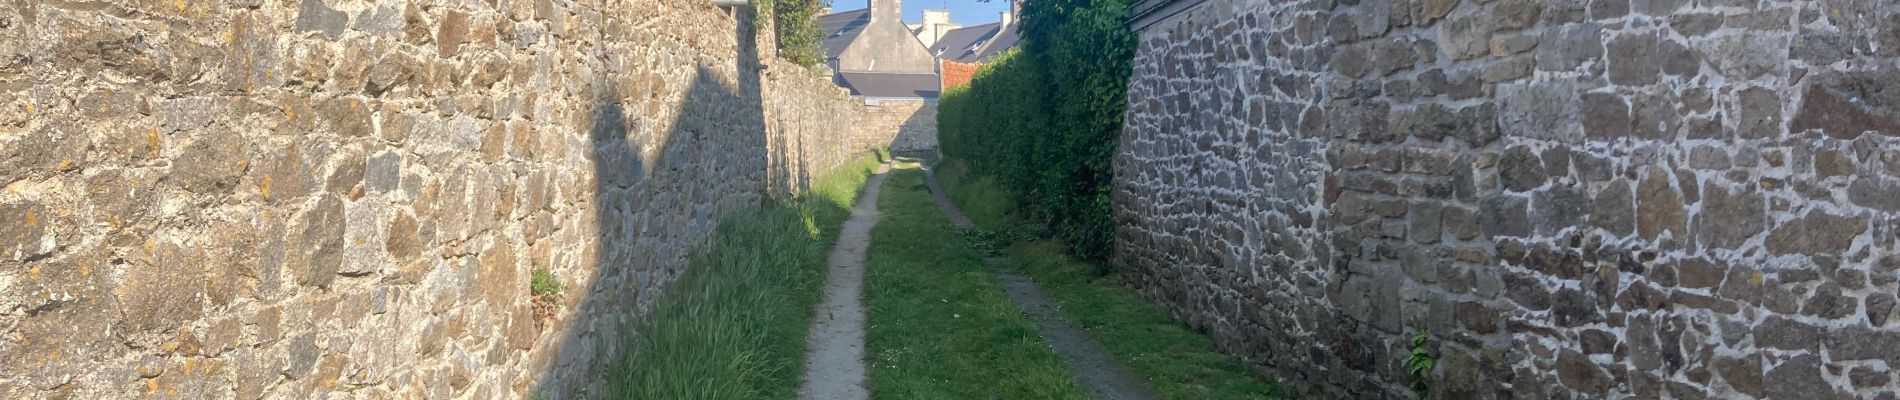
(966, 12)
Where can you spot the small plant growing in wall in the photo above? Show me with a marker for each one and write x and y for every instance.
(546, 292)
(1419, 363)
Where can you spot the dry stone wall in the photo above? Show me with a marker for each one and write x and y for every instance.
(1576, 198)
(904, 125)
(317, 198)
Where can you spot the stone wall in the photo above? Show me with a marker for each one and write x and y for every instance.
(905, 125)
(1577, 198)
(284, 199)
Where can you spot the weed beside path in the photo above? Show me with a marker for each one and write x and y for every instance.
(1177, 362)
(733, 326)
(940, 327)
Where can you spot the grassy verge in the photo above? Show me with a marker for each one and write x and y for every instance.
(980, 197)
(1178, 363)
(940, 326)
(733, 327)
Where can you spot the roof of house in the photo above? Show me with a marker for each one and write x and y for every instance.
(889, 84)
(1002, 41)
(841, 28)
(975, 43)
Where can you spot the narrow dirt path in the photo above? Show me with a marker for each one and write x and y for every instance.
(834, 355)
(1093, 367)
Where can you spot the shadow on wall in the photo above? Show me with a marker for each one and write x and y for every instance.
(789, 146)
(918, 133)
(657, 193)
(907, 126)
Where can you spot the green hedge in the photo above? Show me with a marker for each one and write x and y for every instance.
(1042, 119)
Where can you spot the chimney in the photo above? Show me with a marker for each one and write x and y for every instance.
(936, 16)
(888, 9)
(1009, 17)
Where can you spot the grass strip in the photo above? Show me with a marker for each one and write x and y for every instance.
(940, 326)
(1177, 361)
(734, 325)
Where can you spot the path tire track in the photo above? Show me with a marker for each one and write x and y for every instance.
(1099, 373)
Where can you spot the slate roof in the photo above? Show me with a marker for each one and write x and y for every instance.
(999, 43)
(841, 28)
(887, 84)
(975, 43)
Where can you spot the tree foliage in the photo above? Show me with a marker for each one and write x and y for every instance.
(798, 31)
(1043, 118)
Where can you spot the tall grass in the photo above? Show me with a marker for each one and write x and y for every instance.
(1177, 362)
(733, 326)
(979, 196)
(940, 325)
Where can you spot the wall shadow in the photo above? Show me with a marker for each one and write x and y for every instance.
(659, 190)
(917, 135)
(788, 145)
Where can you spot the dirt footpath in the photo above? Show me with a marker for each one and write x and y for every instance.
(834, 357)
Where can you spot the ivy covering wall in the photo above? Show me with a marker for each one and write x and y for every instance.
(798, 32)
(1042, 119)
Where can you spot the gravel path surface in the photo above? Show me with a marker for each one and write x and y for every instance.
(834, 358)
